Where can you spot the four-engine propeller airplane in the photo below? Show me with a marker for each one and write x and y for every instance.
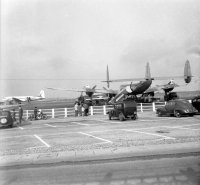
(144, 85)
(134, 89)
(20, 99)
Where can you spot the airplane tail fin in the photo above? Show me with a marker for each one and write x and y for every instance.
(42, 94)
(187, 72)
(148, 73)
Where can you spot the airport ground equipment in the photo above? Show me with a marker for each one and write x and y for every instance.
(6, 119)
(123, 110)
(40, 116)
(177, 108)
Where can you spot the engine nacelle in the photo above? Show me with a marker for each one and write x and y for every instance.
(187, 79)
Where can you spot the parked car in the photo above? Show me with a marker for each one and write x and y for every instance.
(177, 107)
(6, 119)
(196, 103)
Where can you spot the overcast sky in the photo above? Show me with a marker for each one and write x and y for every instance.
(75, 40)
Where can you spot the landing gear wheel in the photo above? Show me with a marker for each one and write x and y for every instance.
(177, 114)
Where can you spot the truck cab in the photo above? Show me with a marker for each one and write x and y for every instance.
(123, 110)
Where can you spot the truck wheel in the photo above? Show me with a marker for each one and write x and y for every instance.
(159, 113)
(177, 114)
(121, 117)
(134, 117)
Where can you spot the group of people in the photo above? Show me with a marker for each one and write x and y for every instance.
(81, 109)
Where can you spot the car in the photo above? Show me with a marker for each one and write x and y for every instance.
(6, 119)
(196, 103)
(178, 108)
(123, 110)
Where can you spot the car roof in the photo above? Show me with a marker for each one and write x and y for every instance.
(179, 100)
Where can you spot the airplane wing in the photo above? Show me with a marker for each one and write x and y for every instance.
(17, 100)
(141, 79)
(106, 91)
(125, 80)
(168, 77)
(151, 89)
(62, 89)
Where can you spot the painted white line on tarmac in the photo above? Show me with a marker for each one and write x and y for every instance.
(140, 120)
(42, 141)
(81, 123)
(182, 128)
(108, 121)
(96, 137)
(147, 133)
(50, 125)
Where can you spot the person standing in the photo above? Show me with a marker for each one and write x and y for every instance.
(20, 114)
(13, 115)
(76, 109)
(86, 107)
(35, 112)
(82, 110)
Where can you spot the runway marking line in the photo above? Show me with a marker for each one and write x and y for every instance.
(80, 123)
(147, 133)
(50, 125)
(139, 120)
(40, 139)
(183, 127)
(107, 141)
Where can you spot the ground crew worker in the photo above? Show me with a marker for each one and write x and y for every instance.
(76, 109)
(35, 112)
(20, 114)
(82, 110)
(86, 109)
(13, 115)
(79, 109)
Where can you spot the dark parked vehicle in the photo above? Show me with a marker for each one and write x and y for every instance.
(124, 110)
(6, 119)
(196, 103)
(177, 107)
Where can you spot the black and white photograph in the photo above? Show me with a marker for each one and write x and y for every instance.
(100, 92)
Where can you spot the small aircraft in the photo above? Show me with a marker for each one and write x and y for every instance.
(143, 86)
(20, 99)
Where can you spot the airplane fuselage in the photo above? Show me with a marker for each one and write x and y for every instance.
(132, 89)
(140, 87)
